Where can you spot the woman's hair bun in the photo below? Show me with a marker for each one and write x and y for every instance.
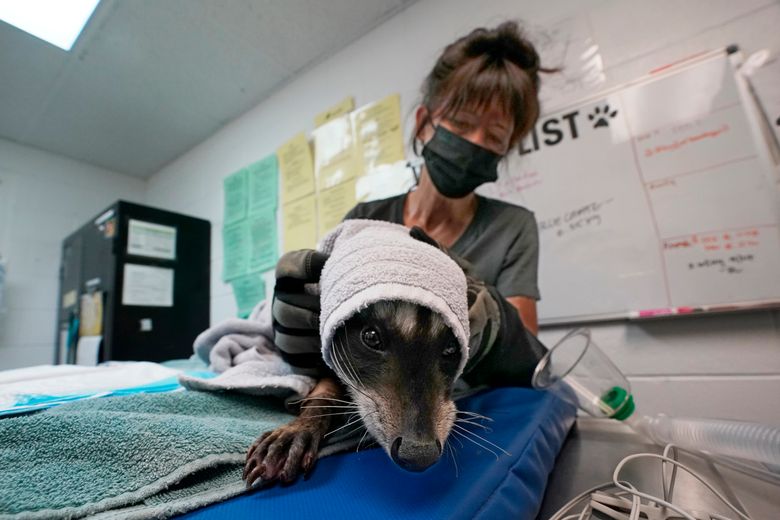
(505, 42)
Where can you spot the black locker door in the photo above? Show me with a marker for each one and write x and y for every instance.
(70, 283)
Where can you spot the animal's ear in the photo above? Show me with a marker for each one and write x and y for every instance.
(418, 233)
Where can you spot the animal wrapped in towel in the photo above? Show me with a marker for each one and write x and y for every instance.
(400, 325)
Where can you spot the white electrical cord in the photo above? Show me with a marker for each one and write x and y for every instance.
(665, 503)
(624, 489)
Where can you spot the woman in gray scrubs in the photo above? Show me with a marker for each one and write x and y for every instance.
(478, 102)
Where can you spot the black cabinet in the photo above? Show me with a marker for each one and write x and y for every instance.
(139, 277)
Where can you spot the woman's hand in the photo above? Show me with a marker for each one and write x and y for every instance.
(296, 304)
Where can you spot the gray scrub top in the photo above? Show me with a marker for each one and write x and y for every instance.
(501, 242)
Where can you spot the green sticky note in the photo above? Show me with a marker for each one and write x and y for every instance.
(236, 247)
(235, 188)
(263, 239)
(263, 185)
(249, 290)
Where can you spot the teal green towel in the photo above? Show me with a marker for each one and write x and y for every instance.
(138, 456)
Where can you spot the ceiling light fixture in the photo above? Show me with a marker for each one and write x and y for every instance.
(58, 22)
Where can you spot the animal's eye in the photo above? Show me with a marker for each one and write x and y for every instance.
(371, 338)
(450, 349)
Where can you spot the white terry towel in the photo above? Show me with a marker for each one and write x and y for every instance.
(374, 261)
(244, 355)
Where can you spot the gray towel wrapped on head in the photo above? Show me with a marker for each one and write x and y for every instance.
(373, 261)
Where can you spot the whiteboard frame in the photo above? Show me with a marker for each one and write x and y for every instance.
(755, 123)
(663, 314)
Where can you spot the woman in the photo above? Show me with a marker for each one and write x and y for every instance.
(478, 102)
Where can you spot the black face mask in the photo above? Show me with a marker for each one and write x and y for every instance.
(456, 165)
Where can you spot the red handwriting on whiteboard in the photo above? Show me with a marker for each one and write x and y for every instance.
(654, 185)
(509, 185)
(725, 241)
(677, 244)
(680, 143)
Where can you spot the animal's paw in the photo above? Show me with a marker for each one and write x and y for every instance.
(283, 454)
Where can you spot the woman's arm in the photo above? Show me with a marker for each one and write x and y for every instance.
(526, 307)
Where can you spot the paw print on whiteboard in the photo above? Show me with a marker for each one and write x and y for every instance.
(601, 117)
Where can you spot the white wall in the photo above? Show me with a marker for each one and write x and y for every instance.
(43, 198)
(727, 366)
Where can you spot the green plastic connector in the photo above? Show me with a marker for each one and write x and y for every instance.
(619, 400)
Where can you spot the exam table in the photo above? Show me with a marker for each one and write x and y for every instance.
(503, 475)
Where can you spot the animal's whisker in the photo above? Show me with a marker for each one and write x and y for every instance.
(452, 454)
(481, 438)
(346, 377)
(349, 361)
(475, 442)
(455, 438)
(331, 414)
(353, 430)
(474, 415)
(361, 440)
(350, 423)
(337, 351)
(466, 421)
(341, 353)
(339, 362)
(340, 369)
(328, 406)
(321, 399)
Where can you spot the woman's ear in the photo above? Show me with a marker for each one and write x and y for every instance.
(422, 128)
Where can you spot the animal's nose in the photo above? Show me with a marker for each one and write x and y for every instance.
(415, 454)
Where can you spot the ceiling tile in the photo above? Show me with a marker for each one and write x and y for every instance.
(149, 80)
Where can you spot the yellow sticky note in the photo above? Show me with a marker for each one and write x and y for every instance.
(378, 132)
(335, 153)
(296, 168)
(345, 106)
(299, 224)
(334, 204)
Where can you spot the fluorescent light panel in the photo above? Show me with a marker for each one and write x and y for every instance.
(58, 22)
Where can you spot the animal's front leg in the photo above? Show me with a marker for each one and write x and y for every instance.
(282, 454)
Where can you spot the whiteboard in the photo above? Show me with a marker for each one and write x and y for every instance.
(651, 199)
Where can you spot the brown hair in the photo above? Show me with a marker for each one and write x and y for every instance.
(484, 67)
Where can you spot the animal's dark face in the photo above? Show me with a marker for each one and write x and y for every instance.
(399, 361)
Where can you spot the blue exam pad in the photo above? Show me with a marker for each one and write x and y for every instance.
(530, 425)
